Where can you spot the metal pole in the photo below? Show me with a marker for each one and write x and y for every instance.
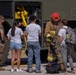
(13, 9)
(42, 35)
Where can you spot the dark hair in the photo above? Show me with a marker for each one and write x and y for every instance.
(15, 23)
(32, 18)
(64, 21)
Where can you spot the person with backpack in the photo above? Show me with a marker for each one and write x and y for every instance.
(66, 45)
(51, 34)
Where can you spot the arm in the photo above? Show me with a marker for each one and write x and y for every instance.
(39, 31)
(2, 34)
(47, 28)
(22, 35)
(9, 35)
(60, 35)
(8, 38)
(60, 38)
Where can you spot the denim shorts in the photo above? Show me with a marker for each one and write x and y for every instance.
(15, 46)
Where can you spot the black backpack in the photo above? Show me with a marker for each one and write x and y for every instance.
(54, 67)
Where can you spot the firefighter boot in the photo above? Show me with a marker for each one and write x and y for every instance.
(62, 67)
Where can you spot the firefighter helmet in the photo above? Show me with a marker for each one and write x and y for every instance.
(55, 16)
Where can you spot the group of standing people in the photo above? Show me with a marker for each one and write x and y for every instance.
(61, 49)
(15, 34)
(33, 31)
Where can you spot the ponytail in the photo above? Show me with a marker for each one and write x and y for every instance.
(13, 31)
(13, 28)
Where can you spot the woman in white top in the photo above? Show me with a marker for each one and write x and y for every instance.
(14, 35)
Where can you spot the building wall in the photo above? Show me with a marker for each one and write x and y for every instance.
(66, 8)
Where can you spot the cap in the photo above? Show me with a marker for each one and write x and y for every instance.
(55, 16)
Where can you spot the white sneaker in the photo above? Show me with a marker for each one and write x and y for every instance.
(19, 70)
(12, 70)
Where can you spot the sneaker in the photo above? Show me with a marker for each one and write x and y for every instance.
(38, 71)
(19, 70)
(12, 70)
(30, 70)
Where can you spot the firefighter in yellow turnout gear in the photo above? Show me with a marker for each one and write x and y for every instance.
(52, 39)
(49, 38)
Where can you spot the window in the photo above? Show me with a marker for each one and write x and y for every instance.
(6, 9)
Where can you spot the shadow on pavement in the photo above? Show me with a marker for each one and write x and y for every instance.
(23, 62)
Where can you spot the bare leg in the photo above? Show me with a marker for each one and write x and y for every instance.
(18, 58)
(13, 58)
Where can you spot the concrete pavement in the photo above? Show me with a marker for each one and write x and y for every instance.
(24, 68)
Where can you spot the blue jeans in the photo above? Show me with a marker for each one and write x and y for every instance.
(34, 48)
